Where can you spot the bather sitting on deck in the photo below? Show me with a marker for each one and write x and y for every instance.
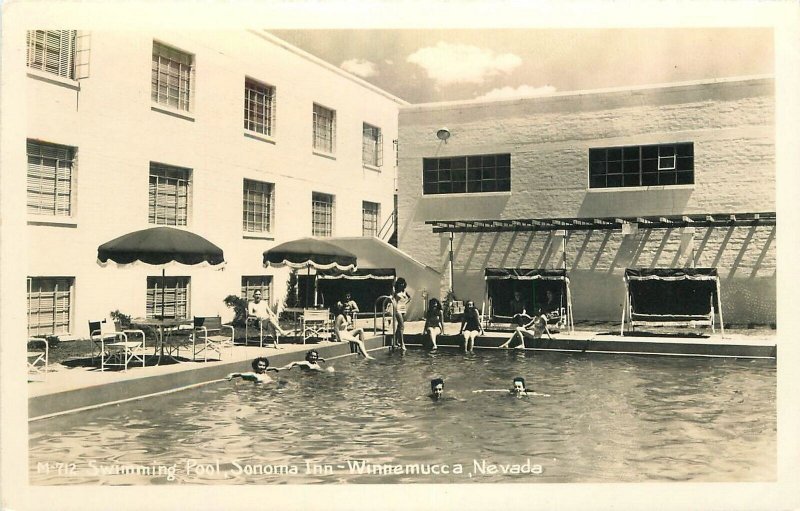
(340, 330)
(533, 330)
(259, 375)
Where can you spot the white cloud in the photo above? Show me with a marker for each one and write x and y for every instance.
(360, 67)
(519, 92)
(449, 63)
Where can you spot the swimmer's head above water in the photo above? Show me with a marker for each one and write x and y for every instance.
(437, 388)
(312, 356)
(518, 385)
(260, 364)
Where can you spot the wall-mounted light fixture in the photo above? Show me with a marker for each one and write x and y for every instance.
(443, 134)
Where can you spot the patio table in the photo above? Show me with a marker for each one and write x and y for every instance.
(161, 323)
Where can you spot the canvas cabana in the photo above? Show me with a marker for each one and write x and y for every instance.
(365, 286)
(533, 285)
(671, 297)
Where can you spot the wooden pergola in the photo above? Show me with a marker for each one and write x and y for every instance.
(605, 223)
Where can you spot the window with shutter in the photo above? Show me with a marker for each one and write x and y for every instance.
(49, 305)
(372, 146)
(52, 51)
(49, 182)
(172, 77)
(169, 194)
(175, 295)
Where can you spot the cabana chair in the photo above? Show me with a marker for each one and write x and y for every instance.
(500, 283)
(38, 360)
(115, 347)
(671, 297)
(316, 323)
(208, 336)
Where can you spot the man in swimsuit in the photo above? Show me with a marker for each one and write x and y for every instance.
(437, 389)
(260, 310)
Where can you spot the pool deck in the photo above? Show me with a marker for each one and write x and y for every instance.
(63, 389)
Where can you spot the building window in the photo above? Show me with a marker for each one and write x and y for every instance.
(259, 107)
(52, 51)
(175, 297)
(321, 214)
(169, 195)
(372, 146)
(467, 174)
(370, 215)
(49, 305)
(646, 165)
(257, 202)
(50, 174)
(252, 283)
(324, 129)
(172, 77)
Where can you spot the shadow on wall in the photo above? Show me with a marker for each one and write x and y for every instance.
(596, 260)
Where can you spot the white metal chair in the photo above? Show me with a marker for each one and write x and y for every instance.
(254, 322)
(316, 323)
(38, 360)
(114, 346)
(208, 335)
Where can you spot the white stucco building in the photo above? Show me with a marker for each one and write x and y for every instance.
(234, 135)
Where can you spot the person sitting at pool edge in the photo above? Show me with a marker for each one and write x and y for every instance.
(340, 329)
(434, 321)
(470, 326)
(533, 330)
(311, 363)
(258, 375)
(260, 310)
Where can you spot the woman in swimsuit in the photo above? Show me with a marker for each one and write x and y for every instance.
(400, 299)
(434, 321)
(470, 326)
(340, 330)
(310, 364)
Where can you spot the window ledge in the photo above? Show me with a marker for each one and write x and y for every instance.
(640, 188)
(371, 167)
(54, 79)
(52, 221)
(465, 194)
(258, 236)
(173, 112)
(258, 136)
(330, 156)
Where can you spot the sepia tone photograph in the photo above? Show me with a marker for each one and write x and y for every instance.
(395, 259)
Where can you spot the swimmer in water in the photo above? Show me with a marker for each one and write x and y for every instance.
(259, 375)
(518, 388)
(310, 364)
(437, 389)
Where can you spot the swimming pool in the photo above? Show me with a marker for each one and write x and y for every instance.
(608, 418)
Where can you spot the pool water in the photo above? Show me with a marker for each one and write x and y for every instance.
(607, 418)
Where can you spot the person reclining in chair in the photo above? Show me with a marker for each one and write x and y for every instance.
(259, 309)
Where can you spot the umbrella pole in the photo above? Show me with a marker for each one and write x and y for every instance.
(163, 289)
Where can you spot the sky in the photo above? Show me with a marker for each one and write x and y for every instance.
(429, 65)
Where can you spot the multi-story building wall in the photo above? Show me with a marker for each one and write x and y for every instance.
(236, 136)
(537, 183)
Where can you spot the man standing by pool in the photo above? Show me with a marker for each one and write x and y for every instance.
(260, 310)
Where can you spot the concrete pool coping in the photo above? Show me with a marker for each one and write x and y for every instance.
(66, 390)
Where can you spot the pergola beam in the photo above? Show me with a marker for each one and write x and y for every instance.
(600, 223)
